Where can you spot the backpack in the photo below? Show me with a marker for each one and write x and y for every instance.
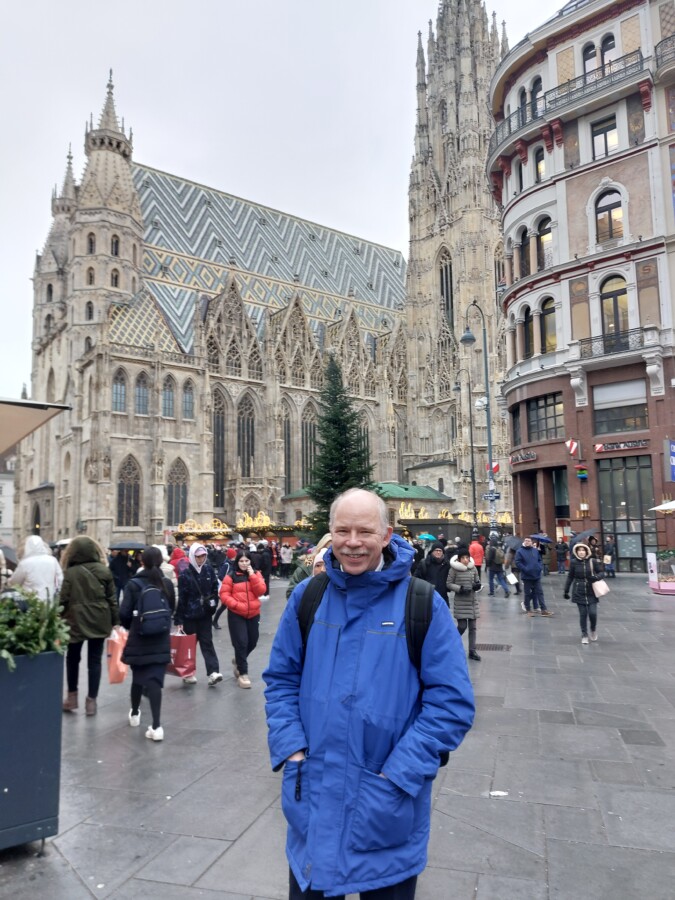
(154, 615)
(418, 615)
(499, 556)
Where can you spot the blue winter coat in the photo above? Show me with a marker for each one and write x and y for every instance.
(529, 564)
(356, 708)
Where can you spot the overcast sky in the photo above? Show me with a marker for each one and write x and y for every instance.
(307, 106)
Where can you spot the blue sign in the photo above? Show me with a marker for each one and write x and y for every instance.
(672, 460)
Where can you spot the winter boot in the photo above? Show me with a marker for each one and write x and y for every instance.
(70, 704)
(90, 706)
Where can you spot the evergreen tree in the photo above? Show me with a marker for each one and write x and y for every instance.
(342, 453)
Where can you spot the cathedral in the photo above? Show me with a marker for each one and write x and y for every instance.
(187, 329)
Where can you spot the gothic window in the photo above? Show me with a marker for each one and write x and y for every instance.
(51, 387)
(445, 386)
(142, 395)
(91, 243)
(133, 254)
(608, 217)
(233, 360)
(544, 245)
(50, 293)
(369, 381)
(316, 375)
(353, 386)
(119, 392)
(252, 505)
(114, 278)
(528, 333)
(363, 440)
(128, 493)
(308, 444)
(114, 245)
(255, 365)
(213, 353)
(219, 450)
(443, 112)
(549, 341)
(281, 367)
(447, 299)
(89, 311)
(298, 371)
(49, 322)
(188, 401)
(91, 276)
(168, 396)
(176, 493)
(246, 436)
(288, 449)
(402, 388)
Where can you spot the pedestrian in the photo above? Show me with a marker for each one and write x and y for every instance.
(561, 551)
(265, 566)
(226, 569)
(357, 728)
(513, 575)
(286, 555)
(319, 564)
(178, 560)
(168, 570)
(304, 568)
(477, 552)
(494, 559)
(38, 570)
(583, 572)
(90, 607)
(147, 654)
(435, 568)
(609, 556)
(197, 601)
(530, 565)
(241, 592)
(464, 583)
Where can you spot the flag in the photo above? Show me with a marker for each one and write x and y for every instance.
(572, 446)
(495, 468)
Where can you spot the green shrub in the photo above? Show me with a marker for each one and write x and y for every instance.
(29, 626)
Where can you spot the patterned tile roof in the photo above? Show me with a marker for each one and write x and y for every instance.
(197, 237)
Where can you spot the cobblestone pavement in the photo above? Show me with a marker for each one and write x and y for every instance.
(565, 787)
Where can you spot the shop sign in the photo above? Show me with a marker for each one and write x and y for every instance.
(522, 456)
(620, 445)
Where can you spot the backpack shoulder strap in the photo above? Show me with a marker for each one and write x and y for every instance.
(309, 603)
(418, 614)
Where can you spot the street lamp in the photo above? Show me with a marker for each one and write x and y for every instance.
(458, 389)
(468, 339)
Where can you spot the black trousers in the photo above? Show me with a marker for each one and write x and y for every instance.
(404, 890)
(244, 636)
(462, 626)
(203, 628)
(94, 656)
(588, 612)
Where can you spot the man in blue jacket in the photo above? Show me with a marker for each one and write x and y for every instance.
(529, 563)
(357, 729)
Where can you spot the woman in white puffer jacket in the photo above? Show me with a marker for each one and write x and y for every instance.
(38, 570)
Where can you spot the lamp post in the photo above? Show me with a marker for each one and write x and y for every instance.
(468, 338)
(458, 389)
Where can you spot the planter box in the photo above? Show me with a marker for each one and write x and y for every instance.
(663, 587)
(30, 748)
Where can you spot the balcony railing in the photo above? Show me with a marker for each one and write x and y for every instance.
(572, 91)
(620, 342)
(665, 51)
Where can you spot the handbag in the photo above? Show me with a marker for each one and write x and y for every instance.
(607, 559)
(183, 654)
(117, 670)
(511, 578)
(600, 588)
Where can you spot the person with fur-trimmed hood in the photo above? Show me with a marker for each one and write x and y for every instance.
(464, 583)
(583, 571)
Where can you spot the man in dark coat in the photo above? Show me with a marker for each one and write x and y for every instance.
(434, 568)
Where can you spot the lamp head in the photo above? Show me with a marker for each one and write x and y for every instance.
(457, 388)
(468, 337)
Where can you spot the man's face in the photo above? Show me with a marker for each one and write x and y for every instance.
(527, 542)
(358, 539)
(437, 553)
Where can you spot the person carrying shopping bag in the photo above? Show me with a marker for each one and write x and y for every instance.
(148, 597)
(240, 592)
(583, 572)
(197, 601)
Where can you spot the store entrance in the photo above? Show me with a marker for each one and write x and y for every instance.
(626, 493)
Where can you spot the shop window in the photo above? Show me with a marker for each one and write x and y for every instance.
(545, 418)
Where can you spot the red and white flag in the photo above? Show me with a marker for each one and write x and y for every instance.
(495, 468)
(572, 446)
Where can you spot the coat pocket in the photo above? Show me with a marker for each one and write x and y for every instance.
(295, 796)
(384, 814)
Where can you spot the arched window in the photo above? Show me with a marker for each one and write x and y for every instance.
(51, 387)
(537, 98)
(133, 254)
(168, 398)
(188, 401)
(447, 297)
(89, 311)
(176, 493)
(614, 303)
(255, 370)
(528, 333)
(298, 371)
(119, 392)
(308, 444)
(544, 245)
(91, 243)
(363, 440)
(316, 375)
(87, 344)
(233, 360)
(246, 436)
(114, 278)
(524, 252)
(114, 245)
(608, 217)
(91, 276)
(519, 177)
(218, 450)
(142, 395)
(608, 53)
(589, 58)
(49, 322)
(539, 165)
(50, 293)
(522, 107)
(213, 353)
(288, 447)
(129, 493)
(549, 341)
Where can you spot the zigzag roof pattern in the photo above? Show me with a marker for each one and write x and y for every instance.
(197, 237)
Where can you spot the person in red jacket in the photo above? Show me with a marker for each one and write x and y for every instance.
(240, 592)
(477, 553)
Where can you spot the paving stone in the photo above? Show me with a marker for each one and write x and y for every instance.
(565, 823)
(632, 736)
(184, 861)
(557, 717)
(641, 818)
(491, 887)
(582, 743)
(25, 876)
(555, 781)
(609, 772)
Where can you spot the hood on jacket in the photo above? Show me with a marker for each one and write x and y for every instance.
(82, 550)
(176, 554)
(398, 558)
(35, 546)
(193, 554)
(460, 567)
(586, 548)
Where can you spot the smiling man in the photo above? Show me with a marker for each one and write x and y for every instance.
(356, 727)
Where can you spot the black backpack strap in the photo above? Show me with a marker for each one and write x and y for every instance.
(309, 603)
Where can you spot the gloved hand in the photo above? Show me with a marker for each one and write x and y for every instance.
(476, 586)
(464, 590)
(566, 596)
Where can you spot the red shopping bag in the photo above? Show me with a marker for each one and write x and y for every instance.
(117, 670)
(183, 654)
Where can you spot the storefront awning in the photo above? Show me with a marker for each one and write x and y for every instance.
(19, 418)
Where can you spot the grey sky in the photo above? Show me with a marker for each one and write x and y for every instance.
(307, 106)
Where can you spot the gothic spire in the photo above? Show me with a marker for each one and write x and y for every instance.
(505, 41)
(109, 120)
(108, 135)
(64, 202)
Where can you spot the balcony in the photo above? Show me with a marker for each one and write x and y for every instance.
(551, 103)
(620, 342)
(664, 52)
